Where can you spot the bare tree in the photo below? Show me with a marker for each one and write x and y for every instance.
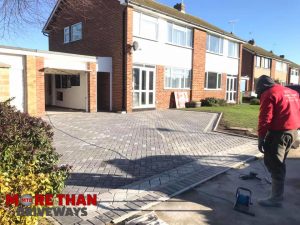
(17, 14)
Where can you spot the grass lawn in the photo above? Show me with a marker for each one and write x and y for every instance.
(244, 115)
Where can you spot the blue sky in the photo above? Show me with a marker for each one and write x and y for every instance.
(274, 24)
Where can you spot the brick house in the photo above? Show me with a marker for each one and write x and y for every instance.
(294, 72)
(258, 61)
(156, 50)
(36, 78)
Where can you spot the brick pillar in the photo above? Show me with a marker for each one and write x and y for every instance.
(198, 75)
(252, 88)
(129, 38)
(238, 96)
(273, 69)
(31, 89)
(92, 87)
(4, 84)
(40, 86)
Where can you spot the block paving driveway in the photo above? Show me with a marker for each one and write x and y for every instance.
(108, 150)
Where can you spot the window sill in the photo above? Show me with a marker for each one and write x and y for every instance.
(178, 89)
(65, 43)
(231, 57)
(209, 89)
(213, 53)
(145, 38)
(180, 46)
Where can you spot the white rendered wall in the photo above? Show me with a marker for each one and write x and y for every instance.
(16, 79)
(160, 53)
(74, 97)
(222, 63)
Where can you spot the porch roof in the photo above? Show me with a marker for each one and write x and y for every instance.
(61, 71)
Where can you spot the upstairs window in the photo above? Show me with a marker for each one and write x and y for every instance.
(281, 66)
(73, 33)
(179, 35)
(233, 49)
(258, 61)
(267, 63)
(145, 26)
(76, 32)
(214, 44)
(66, 35)
(263, 62)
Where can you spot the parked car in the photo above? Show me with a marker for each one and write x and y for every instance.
(296, 88)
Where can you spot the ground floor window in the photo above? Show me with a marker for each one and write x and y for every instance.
(213, 80)
(176, 78)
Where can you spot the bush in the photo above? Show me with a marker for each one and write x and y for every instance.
(209, 102)
(254, 101)
(213, 102)
(28, 161)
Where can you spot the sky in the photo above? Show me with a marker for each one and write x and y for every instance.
(274, 24)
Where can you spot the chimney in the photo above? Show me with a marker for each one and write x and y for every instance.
(251, 42)
(180, 7)
(281, 56)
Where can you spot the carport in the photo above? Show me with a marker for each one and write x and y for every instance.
(44, 78)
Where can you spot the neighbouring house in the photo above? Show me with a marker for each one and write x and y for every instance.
(258, 61)
(156, 50)
(37, 79)
(294, 70)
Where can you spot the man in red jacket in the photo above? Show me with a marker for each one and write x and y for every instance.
(279, 119)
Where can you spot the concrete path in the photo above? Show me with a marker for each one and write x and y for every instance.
(123, 158)
(211, 203)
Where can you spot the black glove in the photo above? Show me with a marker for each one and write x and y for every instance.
(261, 142)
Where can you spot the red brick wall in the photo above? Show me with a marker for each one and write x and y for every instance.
(164, 97)
(129, 32)
(199, 55)
(248, 64)
(238, 100)
(102, 36)
(40, 86)
(273, 68)
(92, 82)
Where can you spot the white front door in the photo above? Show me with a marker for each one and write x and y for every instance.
(231, 89)
(143, 87)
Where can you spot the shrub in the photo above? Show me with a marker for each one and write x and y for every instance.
(254, 101)
(209, 102)
(28, 161)
(214, 102)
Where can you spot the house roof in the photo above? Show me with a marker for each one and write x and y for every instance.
(166, 10)
(263, 52)
(153, 5)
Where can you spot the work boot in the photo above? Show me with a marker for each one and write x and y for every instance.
(276, 198)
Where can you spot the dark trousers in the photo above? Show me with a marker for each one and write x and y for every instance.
(277, 145)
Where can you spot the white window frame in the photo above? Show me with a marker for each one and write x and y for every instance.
(66, 35)
(137, 29)
(188, 33)
(73, 30)
(187, 73)
(221, 44)
(258, 59)
(219, 81)
(268, 66)
(235, 50)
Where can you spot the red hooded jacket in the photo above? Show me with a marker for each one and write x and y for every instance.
(279, 110)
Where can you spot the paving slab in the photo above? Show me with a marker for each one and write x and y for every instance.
(143, 151)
